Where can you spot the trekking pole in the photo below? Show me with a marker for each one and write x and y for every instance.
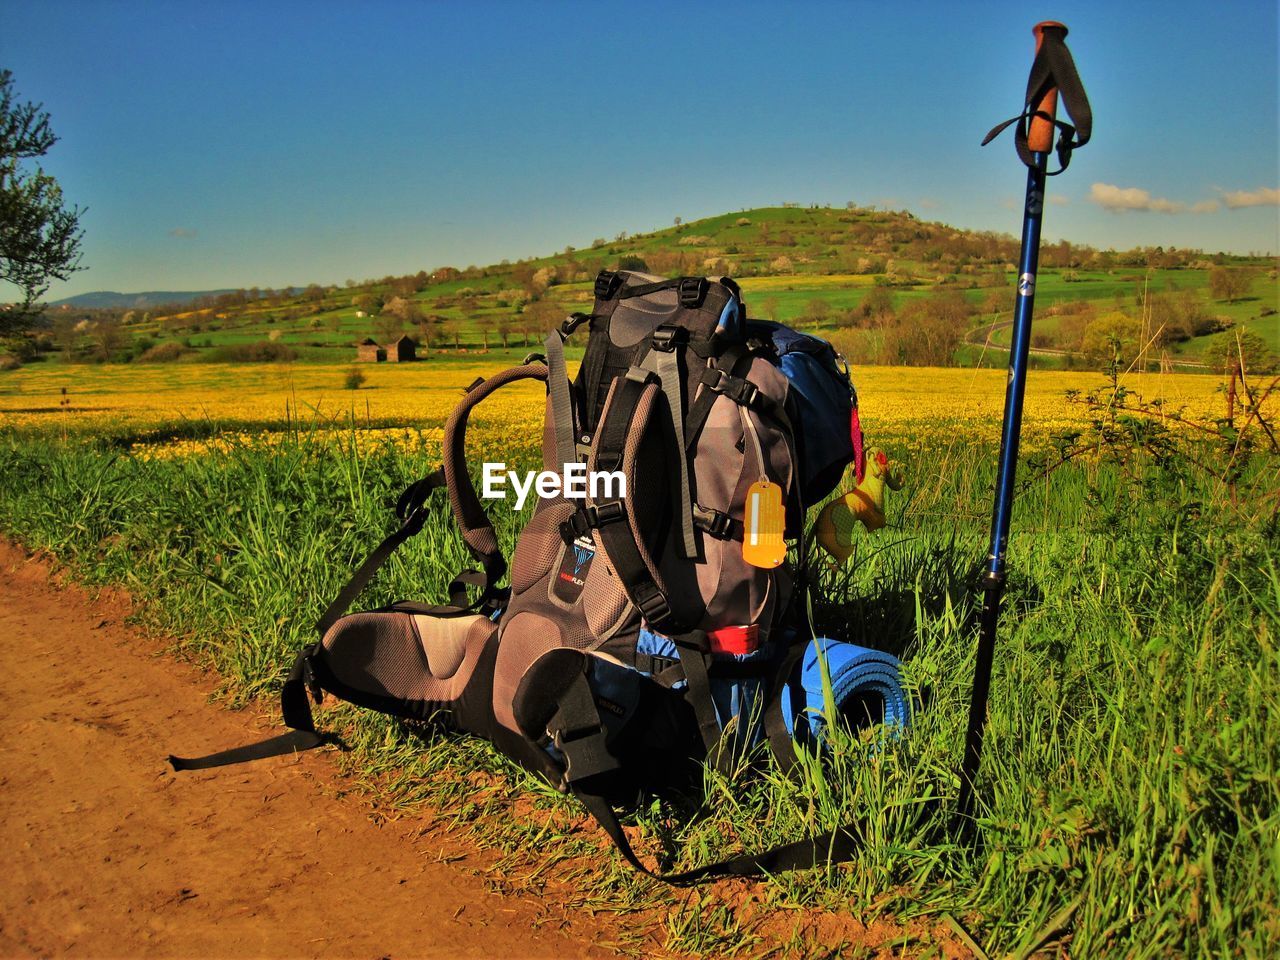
(1052, 72)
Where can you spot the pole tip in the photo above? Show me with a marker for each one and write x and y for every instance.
(1044, 25)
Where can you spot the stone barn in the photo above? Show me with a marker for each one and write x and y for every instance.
(368, 351)
(403, 350)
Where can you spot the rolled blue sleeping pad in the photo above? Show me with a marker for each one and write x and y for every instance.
(866, 687)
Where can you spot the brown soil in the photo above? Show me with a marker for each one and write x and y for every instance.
(108, 853)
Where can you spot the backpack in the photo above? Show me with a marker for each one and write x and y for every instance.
(654, 622)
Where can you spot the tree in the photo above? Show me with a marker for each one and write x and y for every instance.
(502, 323)
(388, 327)
(1232, 351)
(406, 311)
(65, 334)
(1111, 336)
(926, 332)
(877, 305)
(818, 310)
(1228, 284)
(429, 329)
(39, 237)
(366, 302)
(110, 338)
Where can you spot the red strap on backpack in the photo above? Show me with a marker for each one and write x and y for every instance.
(859, 454)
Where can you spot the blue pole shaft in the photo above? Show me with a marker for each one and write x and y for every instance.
(993, 583)
(1012, 428)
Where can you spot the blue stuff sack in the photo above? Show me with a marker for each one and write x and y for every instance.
(866, 687)
(825, 402)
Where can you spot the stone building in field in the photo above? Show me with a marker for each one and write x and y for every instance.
(403, 350)
(368, 351)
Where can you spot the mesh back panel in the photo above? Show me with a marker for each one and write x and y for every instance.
(381, 653)
(604, 602)
(538, 547)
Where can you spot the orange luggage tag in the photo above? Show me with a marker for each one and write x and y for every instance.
(762, 521)
(763, 516)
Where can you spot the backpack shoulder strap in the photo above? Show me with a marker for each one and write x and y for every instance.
(473, 522)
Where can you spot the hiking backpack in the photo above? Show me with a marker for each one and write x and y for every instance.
(645, 631)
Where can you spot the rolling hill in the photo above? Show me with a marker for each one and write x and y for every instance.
(865, 277)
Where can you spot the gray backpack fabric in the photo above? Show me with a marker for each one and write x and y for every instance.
(634, 641)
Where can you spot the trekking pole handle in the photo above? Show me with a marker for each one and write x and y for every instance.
(1040, 133)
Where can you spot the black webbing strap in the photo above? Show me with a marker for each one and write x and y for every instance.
(297, 716)
(717, 523)
(738, 389)
(1053, 68)
(691, 291)
(617, 539)
(411, 508)
(833, 846)
(780, 737)
(579, 734)
(664, 361)
(736, 360)
(695, 650)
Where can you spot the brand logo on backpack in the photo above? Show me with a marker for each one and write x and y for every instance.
(572, 574)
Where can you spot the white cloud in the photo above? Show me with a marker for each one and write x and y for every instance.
(1058, 199)
(1205, 206)
(183, 233)
(1262, 197)
(1129, 199)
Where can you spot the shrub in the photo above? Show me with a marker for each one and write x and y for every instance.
(354, 379)
(263, 351)
(9, 362)
(633, 262)
(162, 353)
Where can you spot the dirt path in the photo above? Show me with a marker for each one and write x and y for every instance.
(107, 853)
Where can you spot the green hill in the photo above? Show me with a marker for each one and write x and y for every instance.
(871, 279)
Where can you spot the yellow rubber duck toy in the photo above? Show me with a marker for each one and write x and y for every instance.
(864, 502)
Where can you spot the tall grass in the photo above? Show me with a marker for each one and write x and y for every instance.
(1130, 789)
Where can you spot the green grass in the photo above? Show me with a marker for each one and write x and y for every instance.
(1131, 785)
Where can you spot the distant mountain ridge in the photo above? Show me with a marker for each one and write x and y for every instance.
(135, 301)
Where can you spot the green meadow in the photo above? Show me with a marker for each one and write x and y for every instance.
(1129, 802)
(1130, 794)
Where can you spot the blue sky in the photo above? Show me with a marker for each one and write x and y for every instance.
(232, 144)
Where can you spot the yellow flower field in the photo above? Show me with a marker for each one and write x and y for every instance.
(408, 404)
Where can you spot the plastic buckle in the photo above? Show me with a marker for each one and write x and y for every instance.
(639, 375)
(693, 290)
(718, 524)
(585, 755)
(578, 525)
(603, 514)
(572, 323)
(666, 338)
(607, 284)
(653, 606)
(658, 664)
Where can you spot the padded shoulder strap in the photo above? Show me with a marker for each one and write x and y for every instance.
(477, 529)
